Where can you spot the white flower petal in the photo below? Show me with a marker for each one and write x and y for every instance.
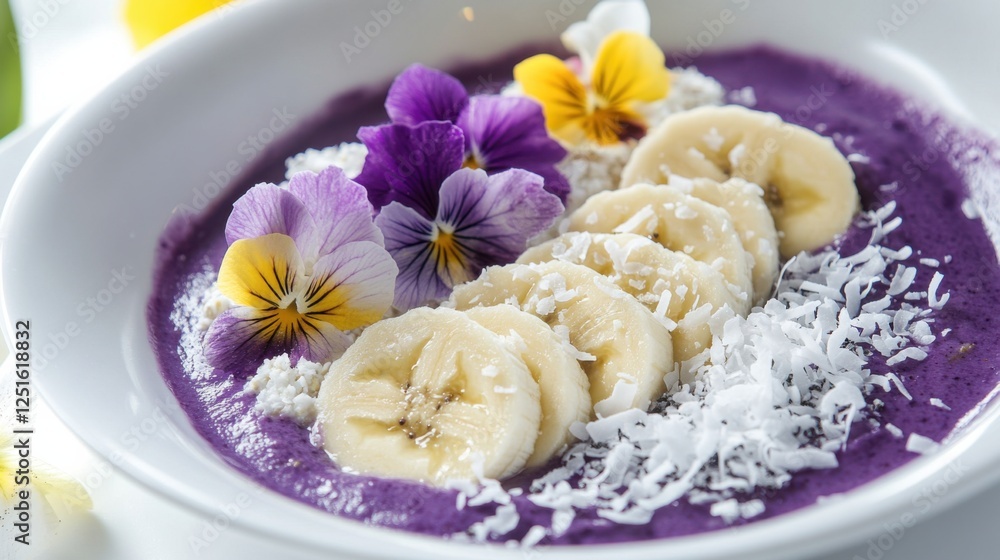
(585, 37)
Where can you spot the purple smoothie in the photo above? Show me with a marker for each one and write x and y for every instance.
(917, 150)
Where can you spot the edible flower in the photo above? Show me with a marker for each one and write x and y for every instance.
(304, 265)
(501, 132)
(53, 494)
(148, 20)
(607, 17)
(628, 69)
(443, 223)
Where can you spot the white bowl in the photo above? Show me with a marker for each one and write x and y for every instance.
(67, 231)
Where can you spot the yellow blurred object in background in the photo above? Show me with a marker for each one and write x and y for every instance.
(151, 19)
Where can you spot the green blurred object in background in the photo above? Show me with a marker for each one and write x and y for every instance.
(10, 72)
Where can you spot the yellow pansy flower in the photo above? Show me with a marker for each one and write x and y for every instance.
(48, 487)
(629, 68)
(151, 19)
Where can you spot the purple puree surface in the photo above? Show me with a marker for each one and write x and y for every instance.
(906, 145)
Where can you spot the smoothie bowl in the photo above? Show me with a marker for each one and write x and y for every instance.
(776, 404)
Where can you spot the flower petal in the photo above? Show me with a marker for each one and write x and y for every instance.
(339, 208)
(351, 287)
(421, 94)
(509, 132)
(546, 79)
(408, 164)
(494, 216)
(408, 239)
(585, 37)
(63, 493)
(149, 20)
(263, 272)
(630, 67)
(243, 337)
(267, 209)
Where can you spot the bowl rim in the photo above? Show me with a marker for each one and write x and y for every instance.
(886, 496)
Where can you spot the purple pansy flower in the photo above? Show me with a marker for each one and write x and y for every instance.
(500, 132)
(304, 265)
(443, 224)
(408, 163)
(481, 220)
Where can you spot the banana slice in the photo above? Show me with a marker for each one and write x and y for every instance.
(626, 353)
(565, 391)
(677, 221)
(680, 291)
(424, 395)
(809, 184)
(752, 219)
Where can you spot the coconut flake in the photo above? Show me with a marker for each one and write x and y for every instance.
(896, 432)
(933, 300)
(939, 403)
(777, 392)
(971, 209)
(921, 445)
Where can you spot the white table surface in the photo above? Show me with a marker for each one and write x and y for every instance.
(78, 49)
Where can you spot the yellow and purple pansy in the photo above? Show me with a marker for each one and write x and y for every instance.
(597, 98)
(304, 265)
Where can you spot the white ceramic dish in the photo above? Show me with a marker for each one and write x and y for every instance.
(68, 232)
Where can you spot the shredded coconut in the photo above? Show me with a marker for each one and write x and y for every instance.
(591, 169)
(286, 391)
(349, 156)
(777, 392)
(689, 89)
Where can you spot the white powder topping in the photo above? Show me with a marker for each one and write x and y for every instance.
(214, 304)
(286, 391)
(349, 156)
(921, 445)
